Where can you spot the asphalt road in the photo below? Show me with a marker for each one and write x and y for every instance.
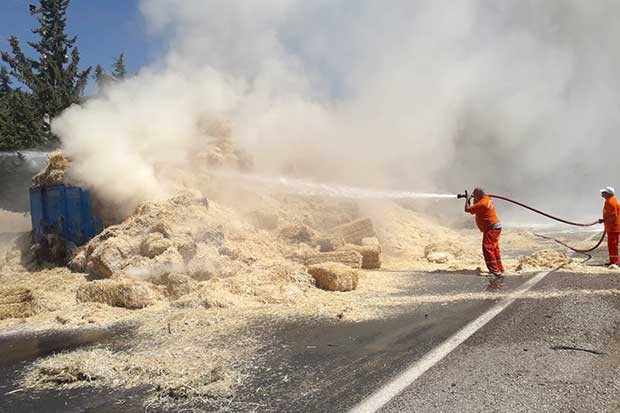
(543, 354)
(547, 355)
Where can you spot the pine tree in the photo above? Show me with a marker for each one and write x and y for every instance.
(5, 123)
(101, 77)
(5, 81)
(20, 125)
(120, 70)
(54, 78)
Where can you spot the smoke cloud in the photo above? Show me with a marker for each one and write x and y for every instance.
(516, 96)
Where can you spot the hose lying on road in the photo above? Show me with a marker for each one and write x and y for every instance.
(579, 251)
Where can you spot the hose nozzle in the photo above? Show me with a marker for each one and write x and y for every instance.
(464, 195)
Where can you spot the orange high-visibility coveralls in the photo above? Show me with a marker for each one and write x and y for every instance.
(612, 227)
(491, 228)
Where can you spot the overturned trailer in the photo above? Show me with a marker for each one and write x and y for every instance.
(62, 219)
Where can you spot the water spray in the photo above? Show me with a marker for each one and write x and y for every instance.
(311, 188)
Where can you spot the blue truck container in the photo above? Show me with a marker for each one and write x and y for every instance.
(65, 211)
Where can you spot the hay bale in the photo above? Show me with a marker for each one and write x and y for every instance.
(547, 259)
(116, 293)
(168, 262)
(263, 220)
(78, 262)
(54, 172)
(370, 241)
(178, 285)
(72, 369)
(298, 233)
(442, 252)
(208, 297)
(163, 228)
(349, 258)
(186, 247)
(371, 255)
(447, 247)
(216, 383)
(329, 244)
(219, 299)
(354, 232)
(208, 236)
(107, 257)
(439, 257)
(16, 302)
(334, 276)
(154, 244)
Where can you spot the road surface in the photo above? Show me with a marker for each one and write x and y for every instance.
(556, 351)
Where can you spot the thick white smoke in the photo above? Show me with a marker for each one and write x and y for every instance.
(517, 96)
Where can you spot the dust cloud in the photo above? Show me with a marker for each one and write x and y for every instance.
(516, 96)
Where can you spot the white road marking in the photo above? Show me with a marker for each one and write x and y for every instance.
(386, 393)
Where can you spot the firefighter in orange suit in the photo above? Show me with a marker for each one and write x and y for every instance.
(611, 219)
(490, 226)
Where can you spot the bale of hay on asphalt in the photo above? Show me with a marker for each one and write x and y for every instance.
(350, 258)
(16, 302)
(547, 259)
(371, 255)
(439, 257)
(334, 276)
(451, 249)
(354, 232)
(70, 370)
(117, 293)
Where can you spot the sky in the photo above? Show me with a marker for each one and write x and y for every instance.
(105, 28)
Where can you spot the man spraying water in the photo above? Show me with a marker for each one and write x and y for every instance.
(611, 219)
(490, 226)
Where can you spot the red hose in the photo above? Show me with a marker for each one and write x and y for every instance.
(584, 252)
(543, 213)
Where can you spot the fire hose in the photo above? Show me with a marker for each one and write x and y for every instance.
(580, 251)
(584, 252)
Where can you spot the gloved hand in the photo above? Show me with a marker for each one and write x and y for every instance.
(600, 221)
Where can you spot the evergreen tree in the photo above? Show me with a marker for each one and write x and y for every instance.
(120, 70)
(101, 77)
(5, 81)
(54, 77)
(20, 125)
(5, 90)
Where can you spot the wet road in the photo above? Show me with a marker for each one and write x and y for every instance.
(556, 353)
(546, 355)
(528, 358)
